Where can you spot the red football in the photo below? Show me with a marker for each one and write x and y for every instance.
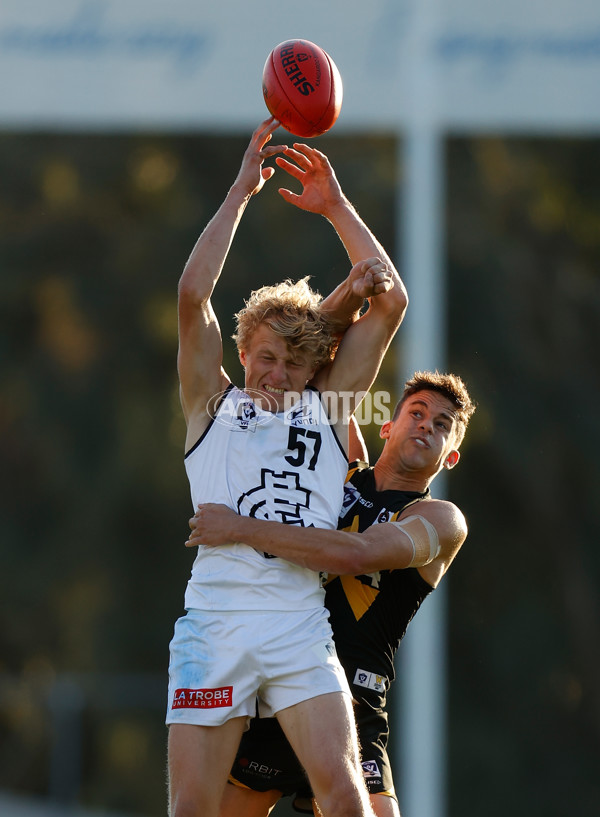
(302, 87)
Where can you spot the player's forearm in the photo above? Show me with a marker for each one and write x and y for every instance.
(342, 305)
(357, 238)
(315, 548)
(206, 261)
(360, 243)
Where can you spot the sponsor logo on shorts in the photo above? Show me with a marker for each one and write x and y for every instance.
(258, 769)
(369, 680)
(202, 698)
(370, 769)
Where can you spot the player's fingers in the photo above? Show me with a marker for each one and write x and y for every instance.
(309, 151)
(372, 262)
(267, 126)
(271, 150)
(191, 540)
(263, 133)
(290, 168)
(383, 286)
(299, 157)
(287, 195)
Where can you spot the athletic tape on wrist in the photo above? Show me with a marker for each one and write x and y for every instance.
(424, 538)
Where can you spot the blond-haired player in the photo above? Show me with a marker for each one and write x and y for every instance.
(255, 625)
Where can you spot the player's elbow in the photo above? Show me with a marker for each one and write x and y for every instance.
(195, 288)
(393, 304)
(398, 300)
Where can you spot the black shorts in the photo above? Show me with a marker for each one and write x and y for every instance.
(266, 761)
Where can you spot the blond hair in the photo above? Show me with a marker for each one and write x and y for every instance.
(293, 311)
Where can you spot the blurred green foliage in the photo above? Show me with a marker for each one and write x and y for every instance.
(94, 233)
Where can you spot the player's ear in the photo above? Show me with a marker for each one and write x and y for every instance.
(452, 458)
(384, 431)
(242, 357)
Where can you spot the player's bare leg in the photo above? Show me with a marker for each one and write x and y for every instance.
(384, 806)
(242, 802)
(323, 735)
(200, 758)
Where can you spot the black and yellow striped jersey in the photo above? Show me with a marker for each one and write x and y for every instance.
(369, 614)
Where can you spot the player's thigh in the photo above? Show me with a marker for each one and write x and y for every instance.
(384, 806)
(322, 732)
(242, 802)
(200, 758)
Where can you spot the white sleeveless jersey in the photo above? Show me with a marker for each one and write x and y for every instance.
(288, 467)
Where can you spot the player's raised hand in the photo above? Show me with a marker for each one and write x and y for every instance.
(321, 191)
(252, 175)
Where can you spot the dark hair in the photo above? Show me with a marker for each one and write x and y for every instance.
(451, 387)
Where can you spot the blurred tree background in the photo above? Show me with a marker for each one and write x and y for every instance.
(94, 233)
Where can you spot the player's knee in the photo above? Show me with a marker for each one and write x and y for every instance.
(190, 807)
(345, 796)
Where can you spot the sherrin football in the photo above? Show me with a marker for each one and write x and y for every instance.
(302, 88)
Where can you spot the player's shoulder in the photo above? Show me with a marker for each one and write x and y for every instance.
(358, 469)
(440, 512)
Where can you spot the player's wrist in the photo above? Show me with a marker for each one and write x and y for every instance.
(240, 192)
(337, 209)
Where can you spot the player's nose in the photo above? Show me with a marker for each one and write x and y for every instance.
(426, 424)
(278, 372)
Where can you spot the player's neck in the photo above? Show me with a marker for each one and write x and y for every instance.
(390, 479)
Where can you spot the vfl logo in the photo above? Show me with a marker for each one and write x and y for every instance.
(384, 516)
(351, 497)
(370, 768)
(202, 698)
(246, 412)
(369, 680)
(241, 411)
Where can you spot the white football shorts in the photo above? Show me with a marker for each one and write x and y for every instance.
(221, 663)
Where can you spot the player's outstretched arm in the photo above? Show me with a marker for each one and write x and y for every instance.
(363, 346)
(426, 536)
(322, 193)
(361, 351)
(200, 346)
